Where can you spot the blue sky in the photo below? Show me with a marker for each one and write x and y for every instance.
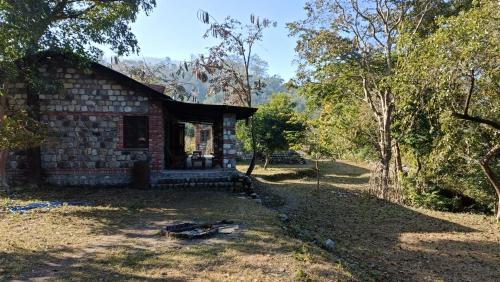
(173, 30)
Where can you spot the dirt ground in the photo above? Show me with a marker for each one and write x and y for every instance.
(116, 237)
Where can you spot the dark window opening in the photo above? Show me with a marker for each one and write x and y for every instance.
(136, 132)
(204, 135)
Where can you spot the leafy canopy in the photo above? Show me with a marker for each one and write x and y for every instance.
(74, 25)
(450, 101)
(276, 125)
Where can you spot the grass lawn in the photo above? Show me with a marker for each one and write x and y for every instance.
(377, 240)
(117, 237)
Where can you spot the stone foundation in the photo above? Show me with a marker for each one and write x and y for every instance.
(221, 179)
(90, 179)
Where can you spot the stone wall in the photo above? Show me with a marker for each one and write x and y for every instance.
(85, 121)
(229, 147)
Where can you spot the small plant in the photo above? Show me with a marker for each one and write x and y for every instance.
(301, 275)
(302, 254)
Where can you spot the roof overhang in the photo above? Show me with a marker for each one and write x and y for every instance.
(205, 112)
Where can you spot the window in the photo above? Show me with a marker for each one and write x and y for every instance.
(204, 135)
(135, 132)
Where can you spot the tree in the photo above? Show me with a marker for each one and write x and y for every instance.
(352, 45)
(17, 131)
(276, 126)
(343, 123)
(31, 26)
(228, 64)
(454, 73)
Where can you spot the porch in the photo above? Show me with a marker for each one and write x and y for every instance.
(214, 134)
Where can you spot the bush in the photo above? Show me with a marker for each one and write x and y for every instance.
(443, 199)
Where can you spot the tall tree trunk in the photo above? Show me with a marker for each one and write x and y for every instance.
(420, 186)
(317, 174)
(266, 162)
(385, 153)
(399, 162)
(492, 178)
(383, 112)
(398, 172)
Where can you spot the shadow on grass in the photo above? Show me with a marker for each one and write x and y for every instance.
(128, 221)
(140, 261)
(368, 231)
(49, 265)
(345, 179)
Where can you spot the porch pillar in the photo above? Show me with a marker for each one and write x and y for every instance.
(218, 141)
(229, 147)
(156, 135)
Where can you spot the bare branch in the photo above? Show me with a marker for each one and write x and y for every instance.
(471, 90)
(423, 13)
(486, 122)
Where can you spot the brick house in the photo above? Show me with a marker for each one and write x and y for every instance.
(101, 121)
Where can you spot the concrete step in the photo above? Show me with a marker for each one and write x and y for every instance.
(230, 180)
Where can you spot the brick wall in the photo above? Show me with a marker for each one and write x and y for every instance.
(206, 145)
(156, 136)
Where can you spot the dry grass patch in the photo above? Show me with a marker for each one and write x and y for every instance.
(380, 241)
(117, 238)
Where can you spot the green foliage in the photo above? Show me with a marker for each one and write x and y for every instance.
(29, 27)
(350, 70)
(276, 125)
(34, 25)
(437, 74)
(433, 200)
(341, 127)
(441, 199)
(18, 131)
